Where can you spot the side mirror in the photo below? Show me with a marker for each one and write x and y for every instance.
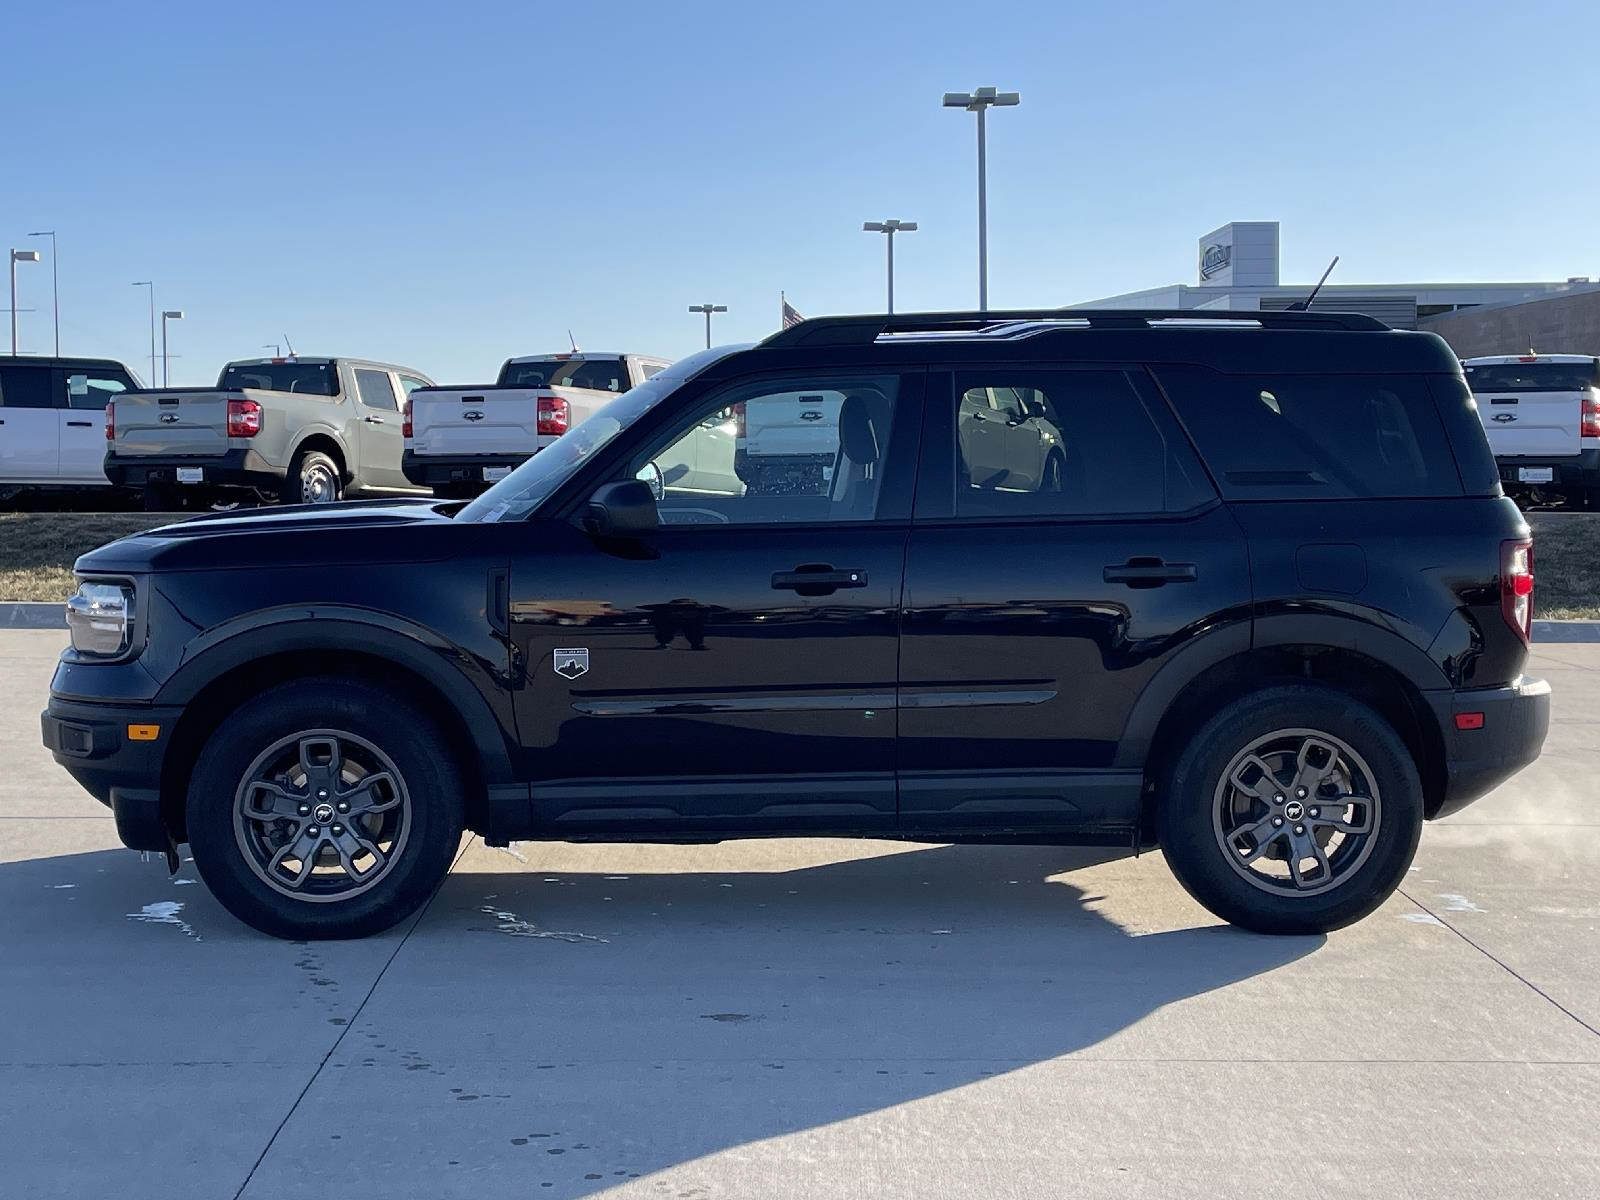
(623, 509)
(651, 474)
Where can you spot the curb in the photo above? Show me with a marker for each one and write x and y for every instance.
(16, 614)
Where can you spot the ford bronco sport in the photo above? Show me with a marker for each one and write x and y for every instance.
(1270, 612)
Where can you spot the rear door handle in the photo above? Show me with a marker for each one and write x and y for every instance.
(1149, 572)
(80, 424)
(817, 579)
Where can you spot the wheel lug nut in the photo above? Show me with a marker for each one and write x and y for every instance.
(338, 830)
(1299, 829)
(1277, 799)
(344, 806)
(323, 794)
(1300, 792)
(305, 810)
(1316, 812)
(1277, 821)
(313, 830)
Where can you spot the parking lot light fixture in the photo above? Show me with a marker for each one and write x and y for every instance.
(145, 283)
(889, 228)
(980, 101)
(708, 309)
(55, 283)
(16, 257)
(175, 314)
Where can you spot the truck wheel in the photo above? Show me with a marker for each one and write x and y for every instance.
(325, 808)
(313, 478)
(1294, 810)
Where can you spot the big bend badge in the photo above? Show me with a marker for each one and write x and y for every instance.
(572, 662)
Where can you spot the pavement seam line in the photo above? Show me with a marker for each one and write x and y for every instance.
(1520, 978)
(354, 1017)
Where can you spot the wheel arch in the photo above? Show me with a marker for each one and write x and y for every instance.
(1376, 667)
(427, 671)
(329, 443)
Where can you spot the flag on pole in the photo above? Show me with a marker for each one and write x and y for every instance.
(788, 314)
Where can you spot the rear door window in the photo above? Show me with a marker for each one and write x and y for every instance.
(1293, 437)
(27, 386)
(1032, 442)
(375, 389)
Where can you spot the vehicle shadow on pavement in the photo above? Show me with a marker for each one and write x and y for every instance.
(559, 1033)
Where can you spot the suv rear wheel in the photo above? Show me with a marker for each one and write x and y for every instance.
(1294, 810)
(325, 808)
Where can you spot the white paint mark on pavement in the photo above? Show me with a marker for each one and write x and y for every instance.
(164, 912)
(514, 925)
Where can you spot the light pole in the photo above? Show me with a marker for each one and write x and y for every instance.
(145, 283)
(980, 102)
(889, 228)
(275, 347)
(708, 309)
(175, 314)
(55, 284)
(16, 257)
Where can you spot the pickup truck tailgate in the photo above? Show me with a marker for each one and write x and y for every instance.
(1532, 424)
(447, 421)
(180, 421)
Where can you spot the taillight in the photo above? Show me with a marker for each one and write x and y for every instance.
(738, 420)
(244, 418)
(111, 421)
(1589, 423)
(555, 414)
(405, 418)
(1516, 586)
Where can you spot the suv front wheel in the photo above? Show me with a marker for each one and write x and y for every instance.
(1293, 810)
(325, 808)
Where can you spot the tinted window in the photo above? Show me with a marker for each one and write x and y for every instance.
(1286, 437)
(375, 389)
(1533, 377)
(600, 374)
(88, 389)
(1065, 443)
(713, 470)
(411, 383)
(315, 379)
(26, 387)
(651, 370)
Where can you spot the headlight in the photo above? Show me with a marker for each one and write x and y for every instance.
(100, 618)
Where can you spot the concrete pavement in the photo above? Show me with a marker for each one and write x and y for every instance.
(805, 1018)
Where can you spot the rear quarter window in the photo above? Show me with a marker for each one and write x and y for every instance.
(1310, 437)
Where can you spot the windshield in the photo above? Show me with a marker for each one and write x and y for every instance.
(516, 496)
(562, 370)
(1534, 377)
(307, 378)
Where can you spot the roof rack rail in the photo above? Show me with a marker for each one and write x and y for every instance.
(863, 330)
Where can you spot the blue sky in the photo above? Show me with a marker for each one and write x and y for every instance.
(446, 185)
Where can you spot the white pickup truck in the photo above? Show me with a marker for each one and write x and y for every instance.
(460, 439)
(1541, 413)
(53, 421)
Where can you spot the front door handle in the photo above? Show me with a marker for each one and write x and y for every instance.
(1149, 573)
(817, 579)
(373, 420)
(80, 424)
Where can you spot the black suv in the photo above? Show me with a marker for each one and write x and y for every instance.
(1268, 609)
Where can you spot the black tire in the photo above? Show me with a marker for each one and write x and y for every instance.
(1192, 836)
(314, 478)
(1053, 478)
(430, 809)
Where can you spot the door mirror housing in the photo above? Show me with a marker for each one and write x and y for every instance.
(624, 509)
(650, 473)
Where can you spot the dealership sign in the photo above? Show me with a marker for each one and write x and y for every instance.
(1215, 259)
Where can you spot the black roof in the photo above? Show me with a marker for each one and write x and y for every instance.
(1232, 341)
(66, 360)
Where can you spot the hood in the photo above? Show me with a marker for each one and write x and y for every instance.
(302, 534)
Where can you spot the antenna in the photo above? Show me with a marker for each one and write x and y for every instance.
(289, 344)
(574, 342)
(1305, 305)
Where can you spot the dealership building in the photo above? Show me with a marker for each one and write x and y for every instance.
(1237, 270)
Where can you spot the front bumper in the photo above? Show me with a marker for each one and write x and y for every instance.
(1515, 721)
(92, 742)
(232, 468)
(434, 471)
(1581, 470)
